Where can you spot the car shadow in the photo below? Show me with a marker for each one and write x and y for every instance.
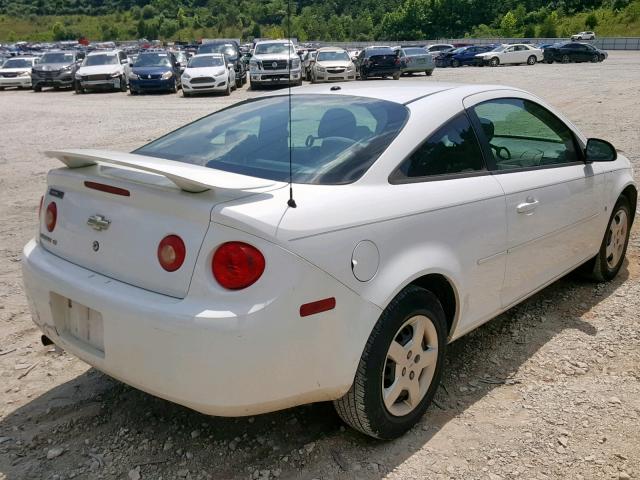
(135, 428)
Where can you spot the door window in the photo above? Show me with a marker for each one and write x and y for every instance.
(523, 134)
(452, 149)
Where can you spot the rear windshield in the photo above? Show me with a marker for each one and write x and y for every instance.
(334, 139)
(380, 51)
(415, 51)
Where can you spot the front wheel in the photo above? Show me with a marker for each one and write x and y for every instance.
(565, 58)
(455, 63)
(532, 60)
(123, 84)
(400, 368)
(595, 59)
(227, 92)
(494, 62)
(606, 265)
(429, 73)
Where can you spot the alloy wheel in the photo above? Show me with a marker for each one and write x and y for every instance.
(616, 238)
(410, 365)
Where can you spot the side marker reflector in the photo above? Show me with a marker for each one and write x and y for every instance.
(317, 307)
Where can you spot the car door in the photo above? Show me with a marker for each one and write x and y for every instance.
(460, 213)
(553, 198)
(509, 55)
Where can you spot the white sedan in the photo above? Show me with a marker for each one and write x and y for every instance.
(510, 54)
(193, 270)
(208, 72)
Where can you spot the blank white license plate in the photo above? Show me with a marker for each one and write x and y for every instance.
(78, 322)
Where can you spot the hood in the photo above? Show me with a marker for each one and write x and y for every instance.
(205, 71)
(150, 70)
(46, 67)
(334, 63)
(99, 70)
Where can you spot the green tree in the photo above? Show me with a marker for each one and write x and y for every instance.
(58, 31)
(508, 24)
(148, 12)
(591, 21)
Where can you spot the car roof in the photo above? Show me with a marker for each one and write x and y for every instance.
(103, 52)
(209, 55)
(331, 49)
(404, 93)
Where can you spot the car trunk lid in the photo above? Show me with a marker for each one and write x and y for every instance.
(113, 209)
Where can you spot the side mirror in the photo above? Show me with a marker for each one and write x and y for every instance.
(599, 151)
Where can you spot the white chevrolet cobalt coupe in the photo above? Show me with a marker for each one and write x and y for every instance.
(418, 213)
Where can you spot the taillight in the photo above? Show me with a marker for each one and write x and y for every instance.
(171, 253)
(51, 216)
(237, 265)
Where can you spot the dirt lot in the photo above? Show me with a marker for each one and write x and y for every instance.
(551, 389)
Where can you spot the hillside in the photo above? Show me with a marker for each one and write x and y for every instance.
(41, 20)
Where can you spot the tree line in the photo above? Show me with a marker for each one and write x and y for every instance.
(338, 20)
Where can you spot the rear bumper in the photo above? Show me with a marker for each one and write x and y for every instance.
(217, 353)
(380, 72)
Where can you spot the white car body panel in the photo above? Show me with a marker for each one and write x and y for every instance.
(512, 54)
(116, 72)
(162, 332)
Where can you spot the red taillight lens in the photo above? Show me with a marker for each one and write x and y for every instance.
(171, 253)
(51, 216)
(237, 265)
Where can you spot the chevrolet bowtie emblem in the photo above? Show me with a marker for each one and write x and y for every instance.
(98, 222)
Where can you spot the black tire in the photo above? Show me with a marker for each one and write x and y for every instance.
(565, 58)
(455, 63)
(185, 94)
(428, 72)
(123, 84)
(37, 88)
(396, 76)
(599, 268)
(174, 87)
(550, 61)
(494, 62)
(363, 76)
(532, 60)
(362, 407)
(227, 92)
(595, 58)
(239, 82)
(1, 89)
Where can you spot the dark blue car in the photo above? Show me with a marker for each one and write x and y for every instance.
(461, 56)
(155, 72)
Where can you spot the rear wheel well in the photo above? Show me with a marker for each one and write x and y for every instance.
(441, 288)
(632, 195)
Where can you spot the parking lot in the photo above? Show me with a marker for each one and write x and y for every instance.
(550, 389)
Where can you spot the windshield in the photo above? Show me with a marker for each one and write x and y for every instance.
(226, 48)
(18, 63)
(499, 48)
(153, 60)
(206, 61)
(94, 60)
(278, 48)
(414, 51)
(181, 57)
(333, 57)
(334, 139)
(57, 58)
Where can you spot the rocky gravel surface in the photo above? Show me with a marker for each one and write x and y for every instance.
(548, 390)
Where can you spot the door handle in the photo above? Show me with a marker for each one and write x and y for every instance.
(528, 207)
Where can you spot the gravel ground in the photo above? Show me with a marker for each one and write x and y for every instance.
(550, 389)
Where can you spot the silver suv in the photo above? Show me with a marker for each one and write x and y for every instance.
(274, 62)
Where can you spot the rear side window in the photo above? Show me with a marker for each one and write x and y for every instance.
(523, 134)
(452, 149)
(334, 139)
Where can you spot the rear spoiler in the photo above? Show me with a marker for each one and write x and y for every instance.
(188, 177)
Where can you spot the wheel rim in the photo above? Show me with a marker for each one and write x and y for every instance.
(565, 59)
(616, 238)
(410, 365)
(494, 62)
(532, 60)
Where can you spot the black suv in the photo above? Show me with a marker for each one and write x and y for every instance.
(231, 51)
(378, 62)
(56, 69)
